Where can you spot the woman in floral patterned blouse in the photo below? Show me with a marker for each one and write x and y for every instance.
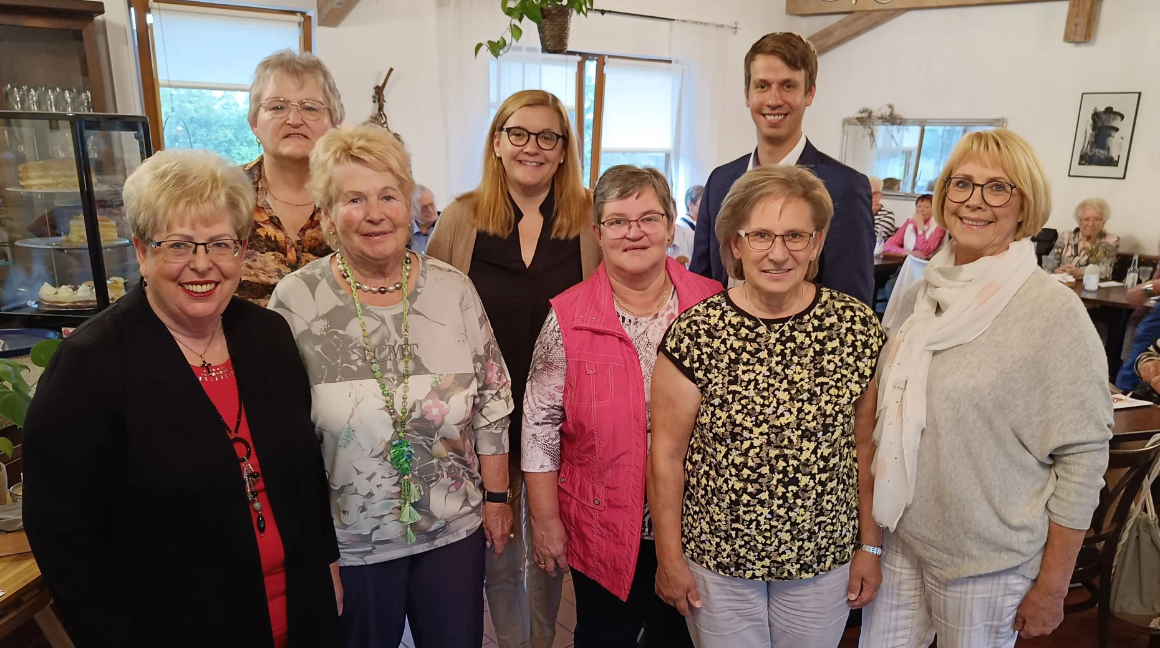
(763, 412)
(1089, 243)
(411, 399)
(293, 102)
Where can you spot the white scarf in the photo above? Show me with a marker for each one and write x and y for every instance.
(955, 304)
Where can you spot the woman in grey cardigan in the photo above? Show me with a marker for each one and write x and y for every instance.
(986, 521)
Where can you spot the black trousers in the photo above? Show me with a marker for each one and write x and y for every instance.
(439, 591)
(604, 621)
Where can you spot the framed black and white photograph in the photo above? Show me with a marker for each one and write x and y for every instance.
(1103, 134)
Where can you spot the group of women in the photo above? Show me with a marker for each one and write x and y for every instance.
(730, 457)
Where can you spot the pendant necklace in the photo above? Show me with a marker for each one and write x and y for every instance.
(666, 294)
(401, 453)
(210, 373)
(762, 322)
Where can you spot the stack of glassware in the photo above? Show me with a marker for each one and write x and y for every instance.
(61, 99)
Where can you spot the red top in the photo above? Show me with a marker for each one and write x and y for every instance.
(220, 385)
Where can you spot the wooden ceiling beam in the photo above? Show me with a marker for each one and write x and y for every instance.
(331, 12)
(850, 27)
(819, 7)
(1081, 21)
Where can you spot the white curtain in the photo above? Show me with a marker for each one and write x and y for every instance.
(464, 86)
(472, 88)
(700, 53)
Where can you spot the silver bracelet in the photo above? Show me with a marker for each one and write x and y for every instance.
(870, 549)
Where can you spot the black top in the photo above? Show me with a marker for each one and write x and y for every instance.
(135, 506)
(516, 296)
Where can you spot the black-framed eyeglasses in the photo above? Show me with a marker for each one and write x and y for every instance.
(279, 108)
(183, 250)
(996, 193)
(794, 241)
(546, 140)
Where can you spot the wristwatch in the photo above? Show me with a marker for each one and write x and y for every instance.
(1148, 288)
(870, 549)
(497, 498)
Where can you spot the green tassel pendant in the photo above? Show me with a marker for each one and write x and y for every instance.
(408, 514)
(402, 456)
(410, 536)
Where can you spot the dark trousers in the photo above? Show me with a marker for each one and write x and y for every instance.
(604, 621)
(439, 591)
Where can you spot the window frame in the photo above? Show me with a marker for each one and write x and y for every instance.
(851, 122)
(141, 25)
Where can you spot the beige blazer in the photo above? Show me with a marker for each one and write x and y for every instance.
(453, 241)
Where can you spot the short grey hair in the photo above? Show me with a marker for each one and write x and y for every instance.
(1098, 204)
(694, 194)
(298, 66)
(624, 181)
(416, 195)
(875, 184)
(755, 188)
(176, 184)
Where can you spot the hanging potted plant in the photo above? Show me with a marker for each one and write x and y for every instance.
(552, 17)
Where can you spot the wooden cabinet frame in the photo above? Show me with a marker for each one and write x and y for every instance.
(74, 15)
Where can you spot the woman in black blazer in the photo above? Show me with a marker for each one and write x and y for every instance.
(146, 506)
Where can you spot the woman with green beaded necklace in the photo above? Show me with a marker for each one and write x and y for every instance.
(411, 399)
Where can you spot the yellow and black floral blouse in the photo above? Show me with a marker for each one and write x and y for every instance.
(272, 252)
(771, 475)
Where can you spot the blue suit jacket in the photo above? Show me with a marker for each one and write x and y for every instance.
(847, 261)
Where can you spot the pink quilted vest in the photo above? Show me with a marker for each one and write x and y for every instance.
(603, 441)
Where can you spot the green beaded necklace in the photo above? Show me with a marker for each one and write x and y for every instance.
(402, 455)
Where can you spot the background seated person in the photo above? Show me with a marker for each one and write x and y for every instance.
(1089, 243)
(883, 218)
(920, 236)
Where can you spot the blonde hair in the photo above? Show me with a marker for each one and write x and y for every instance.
(1098, 204)
(179, 184)
(493, 213)
(875, 184)
(624, 181)
(372, 146)
(1003, 149)
(299, 67)
(768, 183)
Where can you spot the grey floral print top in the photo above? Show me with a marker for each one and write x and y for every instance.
(460, 399)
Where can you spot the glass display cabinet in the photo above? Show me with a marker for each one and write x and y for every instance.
(66, 249)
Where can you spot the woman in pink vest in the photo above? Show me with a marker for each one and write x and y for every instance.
(586, 416)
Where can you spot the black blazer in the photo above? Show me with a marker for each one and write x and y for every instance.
(135, 506)
(847, 261)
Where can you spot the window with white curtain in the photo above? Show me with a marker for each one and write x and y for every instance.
(630, 110)
(204, 60)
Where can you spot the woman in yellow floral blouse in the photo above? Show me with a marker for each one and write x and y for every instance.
(293, 102)
(763, 416)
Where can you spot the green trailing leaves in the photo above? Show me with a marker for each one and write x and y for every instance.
(42, 352)
(519, 10)
(6, 447)
(14, 406)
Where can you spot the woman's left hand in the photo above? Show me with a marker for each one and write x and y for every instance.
(865, 577)
(334, 577)
(1040, 613)
(497, 525)
(1074, 271)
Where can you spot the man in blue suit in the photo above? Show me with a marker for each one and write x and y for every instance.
(780, 81)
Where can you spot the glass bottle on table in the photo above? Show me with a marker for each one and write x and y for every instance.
(1133, 276)
(1091, 277)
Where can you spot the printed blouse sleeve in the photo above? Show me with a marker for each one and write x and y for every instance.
(544, 401)
(867, 339)
(681, 346)
(493, 399)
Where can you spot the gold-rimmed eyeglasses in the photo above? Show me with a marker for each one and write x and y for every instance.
(794, 241)
(279, 108)
(183, 250)
(996, 193)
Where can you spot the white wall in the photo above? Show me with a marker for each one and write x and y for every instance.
(379, 34)
(1010, 61)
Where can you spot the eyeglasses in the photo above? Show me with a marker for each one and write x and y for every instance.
(795, 241)
(648, 224)
(181, 250)
(279, 108)
(996, 193)
(546, 140)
